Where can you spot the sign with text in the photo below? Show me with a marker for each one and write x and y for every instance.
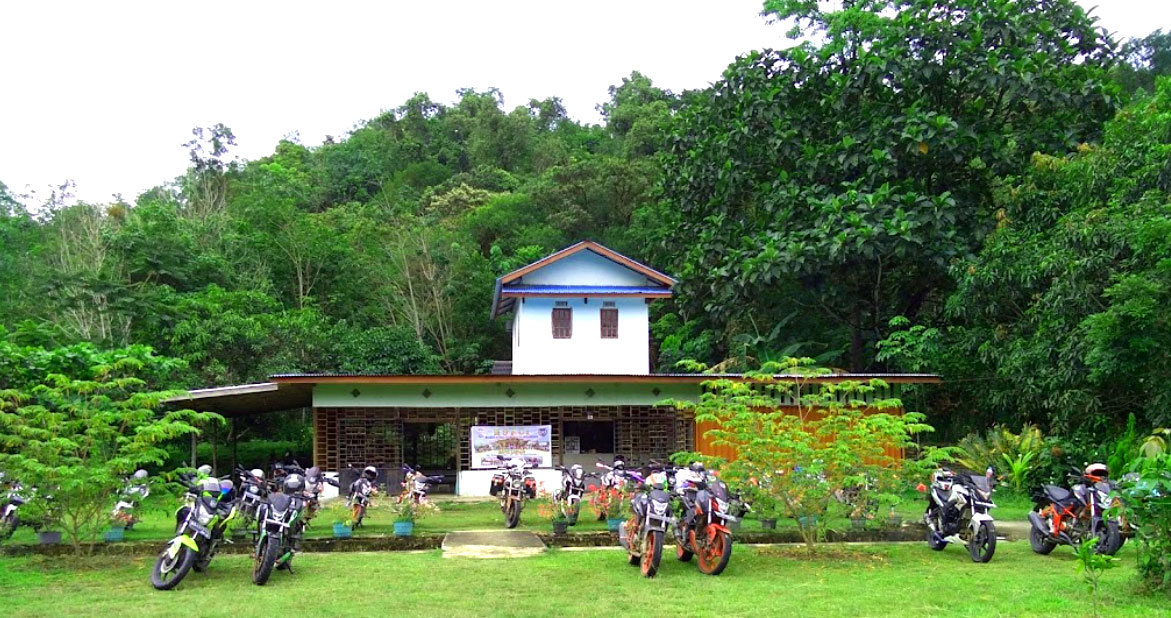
(494, 446)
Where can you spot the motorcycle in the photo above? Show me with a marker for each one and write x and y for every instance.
(416, 485)
(1075, 515)
(253, 492)
(614, 484)
(135, 489)
(209, 504)
(514, 485)
(957, 512)
(10, 518)
(315, 483)
(642, 535)
(281, 525)
(570, 492)
(361, 491)
(705, 508)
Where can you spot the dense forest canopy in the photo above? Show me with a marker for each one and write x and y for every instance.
(974, 187)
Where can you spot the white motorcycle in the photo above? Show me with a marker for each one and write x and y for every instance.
(957, 512)
(136, 489)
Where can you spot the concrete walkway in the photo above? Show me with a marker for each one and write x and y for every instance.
(491, 544)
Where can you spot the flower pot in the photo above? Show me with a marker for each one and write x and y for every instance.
(768, 524)
(48, 538)
(858, 523)
(342, 531)
(807, 521)
(895, 521)
(614, 524)
(560, 527)
(114, 534)
(404, 528)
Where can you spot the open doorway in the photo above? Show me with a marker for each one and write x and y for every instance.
(434, 449)
(584, 442)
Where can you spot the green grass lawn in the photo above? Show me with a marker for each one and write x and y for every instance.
(158, 520)
(874, 580)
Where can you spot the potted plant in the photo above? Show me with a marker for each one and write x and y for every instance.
(554, 510)
(117, 530)
(406, 511)
(339, 516)
(766, 510)
(611, 503)
(893, 519)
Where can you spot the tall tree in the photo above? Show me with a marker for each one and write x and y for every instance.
(843, 177)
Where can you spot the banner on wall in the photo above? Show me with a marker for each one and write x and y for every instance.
(494, 446)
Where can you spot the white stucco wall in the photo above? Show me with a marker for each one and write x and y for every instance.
(535, 351)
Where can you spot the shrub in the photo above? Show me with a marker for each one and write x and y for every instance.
(1016, 456)
(842, 437)
(1146, 502)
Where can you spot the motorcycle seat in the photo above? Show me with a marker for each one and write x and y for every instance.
(1058, 495)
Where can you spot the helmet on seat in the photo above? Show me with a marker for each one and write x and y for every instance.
(204, 470)
(370, 472)
(258, 473)
(517, 464)
(696, 466)
(140, 475)
(1099, 470)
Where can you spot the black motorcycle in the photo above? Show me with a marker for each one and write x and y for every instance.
(253, 491)
(513, 484)
(643, 534)
(1075, 515)
(280, 526)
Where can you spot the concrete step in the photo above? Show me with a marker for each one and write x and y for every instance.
(492, 544)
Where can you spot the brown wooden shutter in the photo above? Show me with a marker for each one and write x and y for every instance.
(609, 323)
(562, 323)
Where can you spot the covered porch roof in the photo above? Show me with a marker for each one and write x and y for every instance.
(295, 390)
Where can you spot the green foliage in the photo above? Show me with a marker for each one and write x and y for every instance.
(1091, 565)
(1146, 503)
(1015, 456)
(76, 439)
(840, 437)
(842, 178)
(1062, 310)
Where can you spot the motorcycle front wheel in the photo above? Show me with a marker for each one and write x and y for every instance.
(168, 572)
(265, 559)
(1109, 538)
(1040, 542)
(983, 543)
(512, 516)
(713, 557)
(652, 553)
(683, 545)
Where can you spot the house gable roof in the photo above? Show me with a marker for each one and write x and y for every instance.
(512, 285)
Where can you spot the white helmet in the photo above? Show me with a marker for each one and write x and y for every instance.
(139, 475)
(517, 463)
(1097, 469)
(257, 472)
(204, 470)
(371, 471)
(576, 471)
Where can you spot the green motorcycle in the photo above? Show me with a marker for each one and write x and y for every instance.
(280, 525)
(200, 524)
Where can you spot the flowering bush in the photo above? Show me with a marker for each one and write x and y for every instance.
(409, 510)
(549, 507)
(607, 502)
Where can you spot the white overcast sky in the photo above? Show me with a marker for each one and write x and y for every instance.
(105, 93)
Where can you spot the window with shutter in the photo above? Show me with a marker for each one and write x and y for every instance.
(609, 323)
(562, 323)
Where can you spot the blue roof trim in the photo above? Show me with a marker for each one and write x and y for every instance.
(582, 289)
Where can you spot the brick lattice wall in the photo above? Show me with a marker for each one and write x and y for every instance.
(373, 436)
